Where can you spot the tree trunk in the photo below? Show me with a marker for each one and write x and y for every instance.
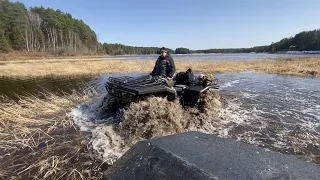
(75, 43)
(48, 40)
(27, 40)
(31, 40)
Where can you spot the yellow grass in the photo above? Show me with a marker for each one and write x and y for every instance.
(86, 67)
(39, 141)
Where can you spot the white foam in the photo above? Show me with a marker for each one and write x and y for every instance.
(229, 84)
(104, 140)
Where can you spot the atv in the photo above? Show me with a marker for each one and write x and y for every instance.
(186, 88)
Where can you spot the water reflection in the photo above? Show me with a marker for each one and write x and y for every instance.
(13, 88)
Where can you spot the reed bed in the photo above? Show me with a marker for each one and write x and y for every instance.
(85, 67)
(39, 141)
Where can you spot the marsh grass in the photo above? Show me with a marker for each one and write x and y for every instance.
(72, 68)
(84, 67)
(14, 56)
(39, 141)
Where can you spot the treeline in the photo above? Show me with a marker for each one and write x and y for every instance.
(256, 49)
(120, 49)
(303, 41)
(43, 30)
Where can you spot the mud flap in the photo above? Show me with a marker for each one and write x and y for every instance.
(190, 97)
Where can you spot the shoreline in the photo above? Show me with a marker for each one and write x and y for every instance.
(25, 56)
(59, 68)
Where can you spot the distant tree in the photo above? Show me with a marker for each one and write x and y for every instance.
(4, 42)
(4, 45)
(46, 30)
(120, 49)
(303, 41)
(256, 49)
(182, 51)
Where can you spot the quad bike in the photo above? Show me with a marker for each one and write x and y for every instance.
(128, 89)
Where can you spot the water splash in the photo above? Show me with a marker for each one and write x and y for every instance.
(147, 119)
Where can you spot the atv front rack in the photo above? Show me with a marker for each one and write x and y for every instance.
(127, 88)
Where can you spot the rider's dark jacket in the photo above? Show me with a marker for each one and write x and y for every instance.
(164, 67)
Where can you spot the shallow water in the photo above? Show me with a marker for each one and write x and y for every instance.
(14, 87)
(282, 112)
(282, 98)
(279, 113)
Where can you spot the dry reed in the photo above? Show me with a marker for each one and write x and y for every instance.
(39, 141)
(85, 67)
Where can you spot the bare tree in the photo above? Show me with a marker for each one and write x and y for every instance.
(35, 19)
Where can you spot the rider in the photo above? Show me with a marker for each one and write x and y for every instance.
(164, 65)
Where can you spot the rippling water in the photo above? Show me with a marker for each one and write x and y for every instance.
(282, 98)
(282, 112)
